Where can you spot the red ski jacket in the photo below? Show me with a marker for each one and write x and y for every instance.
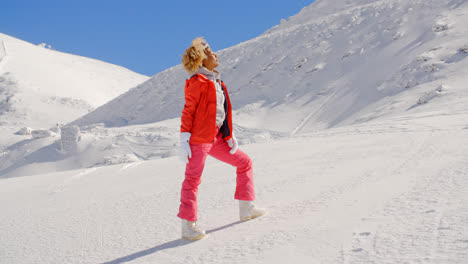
(199, 113)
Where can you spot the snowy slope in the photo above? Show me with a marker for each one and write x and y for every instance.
(320, 68)
(378, 192)
(40, 87)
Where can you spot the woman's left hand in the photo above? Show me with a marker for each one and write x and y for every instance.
(185, 153)
(232, 142)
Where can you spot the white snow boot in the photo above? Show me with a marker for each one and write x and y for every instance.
(191, 231)
(248, 210)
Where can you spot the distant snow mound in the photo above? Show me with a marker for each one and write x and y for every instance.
(41, 133)
(428, 96)
(56, 129)
(70, 136)
(24, 131)
(45, 45)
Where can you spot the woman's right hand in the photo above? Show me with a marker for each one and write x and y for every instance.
(184, 148)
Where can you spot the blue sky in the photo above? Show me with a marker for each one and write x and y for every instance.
(142, 35)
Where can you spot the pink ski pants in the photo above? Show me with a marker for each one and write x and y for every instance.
(219, 149)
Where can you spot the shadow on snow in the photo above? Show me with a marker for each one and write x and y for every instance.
(168, 245)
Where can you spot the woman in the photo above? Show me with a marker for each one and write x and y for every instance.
(207, 130)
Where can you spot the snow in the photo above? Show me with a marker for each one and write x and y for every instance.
(40, 87)
(388, 192)
(353, 112)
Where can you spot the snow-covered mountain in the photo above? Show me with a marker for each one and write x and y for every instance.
(333, 64)
(40, 87)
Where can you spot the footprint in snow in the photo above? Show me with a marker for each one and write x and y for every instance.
(444, 228)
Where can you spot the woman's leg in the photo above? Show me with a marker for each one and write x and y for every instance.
(245, 184)
(193, 171)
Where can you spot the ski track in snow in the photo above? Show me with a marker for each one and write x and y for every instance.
(309, 116)
(71, 179)
(130, 165)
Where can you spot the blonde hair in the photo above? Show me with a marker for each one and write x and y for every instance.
(194, 55)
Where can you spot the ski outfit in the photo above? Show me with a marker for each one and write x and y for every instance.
(207, 116)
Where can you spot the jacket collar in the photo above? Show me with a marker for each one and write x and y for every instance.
(211, 75)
